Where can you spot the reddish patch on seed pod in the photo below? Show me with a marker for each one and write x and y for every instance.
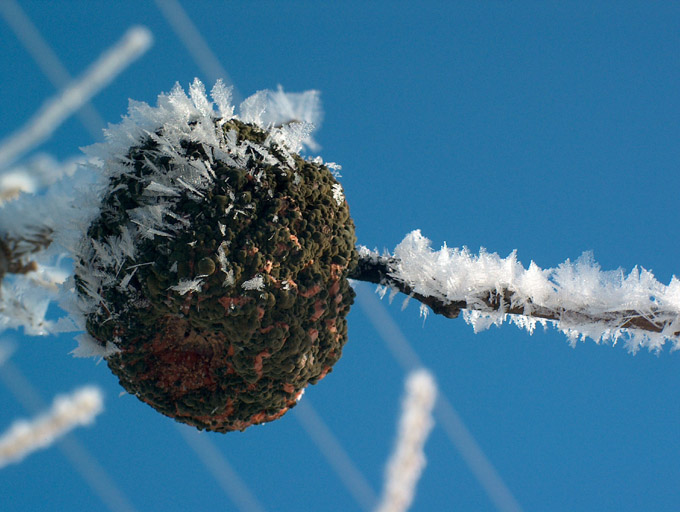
(310, 292)
(324, 372)
(258, 361)
(229, 303)
(334, 289)
(318, 310)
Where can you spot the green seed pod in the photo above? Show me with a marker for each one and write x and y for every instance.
(233, 296)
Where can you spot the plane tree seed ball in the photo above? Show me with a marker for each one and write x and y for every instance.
(218, 273)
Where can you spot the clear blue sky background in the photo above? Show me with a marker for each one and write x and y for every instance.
(547, 127)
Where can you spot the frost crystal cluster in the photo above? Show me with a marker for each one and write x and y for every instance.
(213, 276)
(578, 297)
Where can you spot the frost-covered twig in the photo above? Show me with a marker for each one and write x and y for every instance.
(47, 60)
(578, 297)
(21, 301)
(133, 44)
(32, 265)
(14, 251)
(41, 172)
(408, 460)
(221, 469)
(448, 418)
(335, 453)
(195, 43)
(67, 412)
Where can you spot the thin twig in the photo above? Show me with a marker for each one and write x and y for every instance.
(381, 270)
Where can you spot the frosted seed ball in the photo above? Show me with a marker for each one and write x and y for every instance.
(248, 288)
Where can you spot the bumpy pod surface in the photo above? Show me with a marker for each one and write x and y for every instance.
(218, 275)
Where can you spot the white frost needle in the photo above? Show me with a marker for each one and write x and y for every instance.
(583, 300)
(67, 412)
(408, 459)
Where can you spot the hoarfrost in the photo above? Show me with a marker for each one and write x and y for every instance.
(334, 168)
(256, 283)
(67, 412)
(224, 264)
(158, 189)
(22, 304)
(188, 285)
(221, 94)
(588, 302)
(338, 195)
(407, 461)
(295, 115)
(228, 278)
(89, 347)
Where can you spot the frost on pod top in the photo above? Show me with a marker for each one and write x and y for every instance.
(212, 276)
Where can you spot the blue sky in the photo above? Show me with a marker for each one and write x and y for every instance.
(546, 127)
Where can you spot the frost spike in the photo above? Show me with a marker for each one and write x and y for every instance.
(579, 298)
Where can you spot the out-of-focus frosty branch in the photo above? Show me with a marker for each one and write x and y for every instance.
(30, 287)
(39, 172)
(337, 456)
(407, 462)
(46, 59)
(83, 462)
(221, 469)
(577, 297)
(31, 266)
(13, 252)
(133, 44)
(67, 412)
(446, 415)
(191, 37)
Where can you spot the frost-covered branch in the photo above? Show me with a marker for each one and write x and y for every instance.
(67, 412)
(14, 251)
(407, 462)
(133, 44)
(577, 297)
(25, 285)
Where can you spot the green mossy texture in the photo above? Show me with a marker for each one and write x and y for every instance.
(228, 356)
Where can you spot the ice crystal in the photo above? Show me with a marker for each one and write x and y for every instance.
(580, 287)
